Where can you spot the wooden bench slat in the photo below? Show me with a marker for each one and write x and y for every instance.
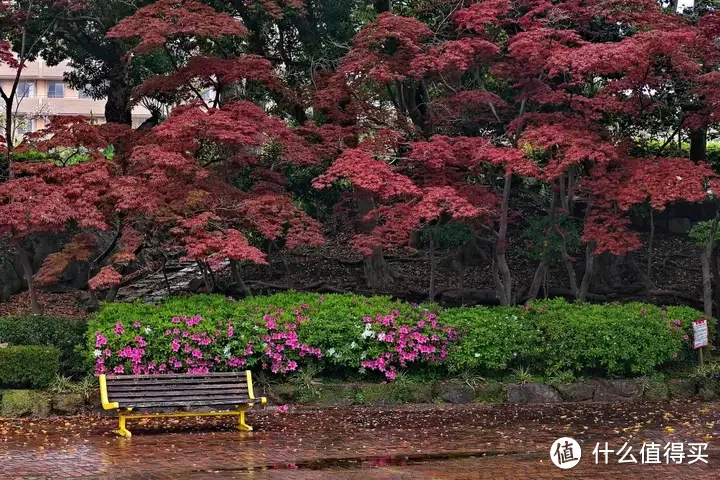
(177, 375)
(114, 390)
(180, 397)
(190, 403)
(177, 393)
(174, 381)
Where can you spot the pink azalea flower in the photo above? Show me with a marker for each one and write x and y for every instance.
(100, 340)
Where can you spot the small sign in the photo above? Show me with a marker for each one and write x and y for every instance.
(700, 333)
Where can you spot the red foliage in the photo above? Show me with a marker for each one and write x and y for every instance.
(275, 8)
(480, 14)
(164, 20)
(107, 277)
(366, 173)
(6, 55)
(80, 249)
(203, 72)
(453, 57)
(275, 216)
(662, 181)
(384, 50)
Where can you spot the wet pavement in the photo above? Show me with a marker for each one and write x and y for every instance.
(364, 442)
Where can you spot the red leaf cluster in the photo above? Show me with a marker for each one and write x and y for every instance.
(165, 20)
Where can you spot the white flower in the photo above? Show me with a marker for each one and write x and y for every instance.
(226, 350)
(255, 327)
(97, 353)
(363, 355)
(368, 332)
(148, 329)
(477, 355)
(331, 352)
(381, 336)
(362, 370)
(353, 345)
(515, 354)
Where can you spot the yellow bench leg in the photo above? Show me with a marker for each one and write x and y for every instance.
(122, 431)
(242, 426)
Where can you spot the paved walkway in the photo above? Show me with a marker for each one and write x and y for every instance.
(418, 442)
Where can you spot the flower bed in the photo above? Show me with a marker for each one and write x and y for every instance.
(350, 336)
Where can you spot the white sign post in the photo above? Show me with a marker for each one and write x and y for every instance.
(700, 336)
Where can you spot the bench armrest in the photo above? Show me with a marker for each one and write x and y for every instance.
(107, 404)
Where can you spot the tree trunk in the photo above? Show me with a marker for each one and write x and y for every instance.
(377, 271)
(112, 293)
(9, 134)
(716, 280)
(563, 250)
(587, 276)
(705, 258)
(118, 108)
(499, 287)
(707, 284)
(501, 272)
(205, 276)
(165, 277)
(698, 145)
(650, 244)
(235, 270)
(28, 273)
(537, 282)
(433, 264)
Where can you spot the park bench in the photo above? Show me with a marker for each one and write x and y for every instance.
(219, 391)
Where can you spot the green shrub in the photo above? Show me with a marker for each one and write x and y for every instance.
(28, 366)
(492, 339)
(66, 334)
(342, 336)
(611, 339)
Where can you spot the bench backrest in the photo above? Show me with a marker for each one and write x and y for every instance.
(180, 390)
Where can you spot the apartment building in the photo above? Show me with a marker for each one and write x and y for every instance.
(42, 94)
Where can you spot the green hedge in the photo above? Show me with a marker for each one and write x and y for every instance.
(554, 336)
(548, 338)
(28, 366)
(66, 334)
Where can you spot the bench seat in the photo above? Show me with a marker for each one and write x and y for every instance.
(219, 391)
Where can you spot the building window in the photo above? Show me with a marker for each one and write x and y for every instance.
(24, 126)
(55, 90)
(25, 90)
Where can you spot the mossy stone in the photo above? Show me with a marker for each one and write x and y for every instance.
(654, 391)
(68, 403)
(490, 392)
(18, 403)
(682, 388)
(709, 390)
